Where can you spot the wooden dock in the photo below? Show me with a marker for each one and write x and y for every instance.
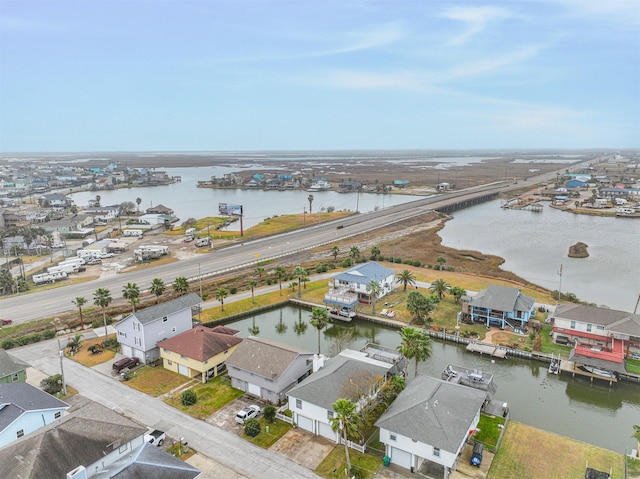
(488, 349)
(567, 366)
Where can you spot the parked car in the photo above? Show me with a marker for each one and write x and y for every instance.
(247, 413)
(155, 437)
(6, 322)
(107, 255)
(476, 455)
(125, 363)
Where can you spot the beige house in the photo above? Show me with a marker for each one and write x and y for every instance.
(200, 351)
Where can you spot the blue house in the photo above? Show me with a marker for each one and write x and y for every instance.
(499, 306)
(350, 287)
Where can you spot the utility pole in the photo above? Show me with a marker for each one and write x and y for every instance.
(61, 354)
(560, 285)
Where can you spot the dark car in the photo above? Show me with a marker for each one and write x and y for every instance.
(125, 363)
(476, 455)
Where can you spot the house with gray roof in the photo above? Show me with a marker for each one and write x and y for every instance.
(349, 287)
(24, 409)
(140, 332)
(499, 306)
(430, 421)
(12, 370)
(358, 374)
(267, 369)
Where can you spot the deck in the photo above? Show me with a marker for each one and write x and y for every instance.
(489, 349)
(567, 366)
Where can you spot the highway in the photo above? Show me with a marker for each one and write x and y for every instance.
(49, 303)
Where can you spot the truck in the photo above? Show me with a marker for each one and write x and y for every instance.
(155, 437)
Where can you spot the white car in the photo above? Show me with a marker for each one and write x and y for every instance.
(247, 413)
(107, 255)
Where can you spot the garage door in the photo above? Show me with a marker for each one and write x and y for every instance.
(127, 351)
(401, 458)
(182, 369)
(326, 431)
(253, 389)
(305, 423)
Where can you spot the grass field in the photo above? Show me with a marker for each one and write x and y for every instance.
(211, 397)
(155, 381)
(336, 461)
(266, 439)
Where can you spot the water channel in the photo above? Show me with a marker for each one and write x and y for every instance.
(591, 412)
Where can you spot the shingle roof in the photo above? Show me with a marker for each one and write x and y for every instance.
(161, 310)
(365, 273)
(18, 398)
(324, 387)
(433, 412)
(152, 462)
(264, 357)
(613, 320)
(502, 298)
(225, 330)
(10, 365)
(200, 343)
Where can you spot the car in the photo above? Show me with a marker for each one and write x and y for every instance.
(635, 356)
(107, 255)
(57, 245)
(125, 363)
(247, 413)
(155, 437)
(188, 239)
(476, 455)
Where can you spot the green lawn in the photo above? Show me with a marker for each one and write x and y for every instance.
(336, 461)
(548, 346)
(211, 397)
(633, 366)
(269, 433)
(489, 430)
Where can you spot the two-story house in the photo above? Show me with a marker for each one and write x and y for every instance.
(267, 369)
(350, 287)
(12, 370)
(24, 409)
(430, 420)
(499, 306)
(200, 351)
(140, 332)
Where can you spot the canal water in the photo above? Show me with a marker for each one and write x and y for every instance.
(591, 412)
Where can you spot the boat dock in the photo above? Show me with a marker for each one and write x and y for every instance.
(529, 204)
(567, 366)
(489, 349)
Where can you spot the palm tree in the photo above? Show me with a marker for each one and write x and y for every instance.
(319, 320)
(281, 328)
(180, 285)
(102, 298)
(280, 272)
(310, 200)
(98, 200)
(457, 292)
(138, 201)
(415, 344)
(259, 270)
(375, 252)
(374, 288)
(157, 287)
(300, 326)
(405, 278)
(354, 253)
(335, 251)
(131, 293)
(345, 423)
(300, 272)
(220, 295)
(636, 434)
(79, 302)
(440, 287)
(6, 281)
(252, 285)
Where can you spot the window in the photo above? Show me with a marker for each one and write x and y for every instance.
(165, 319)
(57, 415)
(392, 437)
(588, 328)
(573, 325)
(299, 403)
(436, 451)
(600, 327)
(169, 362)
(123, 448)
(15, 377)
(173, 330)
(329, 415)
(20, 433)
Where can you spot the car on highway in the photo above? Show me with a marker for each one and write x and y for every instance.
(247, 413)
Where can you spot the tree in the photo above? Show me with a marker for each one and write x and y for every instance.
(310, 200)
(335, 251)
(157, 287)
(354, 253)
(415, 344)
(6, 281)
(126, 207)
(345, 423)
(419, 305)
(375, 252)
(138, 201)
(79, 302)
(131, 293)
(374, 288)
(252, 286)
(636, 434)
(319, 320)
(406, 277)
(300, 273)
(259, 270)
(220, 295)
(102, 298)
(188, 397)
(280, 272)
(440, 287)
(98, 200)
(457, 292)
(180, 285)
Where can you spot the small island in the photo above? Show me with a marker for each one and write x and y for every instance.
(578, 250)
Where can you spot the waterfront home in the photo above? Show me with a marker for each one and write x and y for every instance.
(349, 287)
(267, 369)
(601, 337)
(140, 332)
(198, 352)
(430, 421)
(12, 370)
(54, 200)
(103, 213)
(499, 306)
(356, 375)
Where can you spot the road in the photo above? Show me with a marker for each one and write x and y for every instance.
(31, 306)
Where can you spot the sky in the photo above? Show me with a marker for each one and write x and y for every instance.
(240, 75)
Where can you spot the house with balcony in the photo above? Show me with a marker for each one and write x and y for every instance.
(602, 338)
(499, 306)
(140, 332)
(348, 288)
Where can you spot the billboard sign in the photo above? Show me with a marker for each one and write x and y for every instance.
(229, 209)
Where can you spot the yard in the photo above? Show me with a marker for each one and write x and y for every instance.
(335, 463)
(86, 358)
(269, 432)
(488, 430)
(211, 397)
(155, 381)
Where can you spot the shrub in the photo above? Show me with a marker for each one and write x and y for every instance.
(269, 413)
(111, 343)
(99, 322)
(52, 384)
(345, 263)
(357, 472)
(9, 344)
(252, 427)
(188, 398)
(233, 290)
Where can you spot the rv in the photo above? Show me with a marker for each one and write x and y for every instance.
(203, 242)
(66, 268)
(89, 253)
(163, 250)
(137, 233)
(48, 277)
(79, 260)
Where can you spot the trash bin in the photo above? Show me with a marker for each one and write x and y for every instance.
(386, 460)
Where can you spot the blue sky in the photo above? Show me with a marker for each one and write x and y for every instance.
(95, 75)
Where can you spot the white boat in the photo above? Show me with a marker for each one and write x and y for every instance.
(599, 372)
(343, 314)
(320, 186)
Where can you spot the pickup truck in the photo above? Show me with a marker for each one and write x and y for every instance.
(155, 437)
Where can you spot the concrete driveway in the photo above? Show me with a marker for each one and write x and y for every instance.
(225, 417)
(303, 448)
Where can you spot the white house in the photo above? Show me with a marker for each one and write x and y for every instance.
(430, 421)
(350, 287)
(25, 409)
(140, 332)
(311, 401)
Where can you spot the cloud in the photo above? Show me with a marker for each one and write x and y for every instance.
(476, 18)
(623, 12)
(401, 80)
(506, 60)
